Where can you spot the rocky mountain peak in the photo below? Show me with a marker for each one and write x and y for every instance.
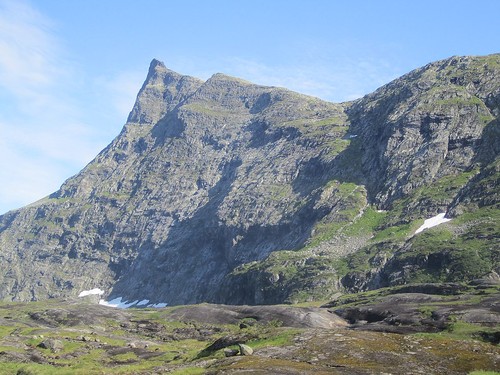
(228, 191)
(155, 64)
(162, 91)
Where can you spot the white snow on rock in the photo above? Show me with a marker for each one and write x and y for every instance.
(158, 305)
(432, 222)
(121, 304)
(117, 302)
(95, 291)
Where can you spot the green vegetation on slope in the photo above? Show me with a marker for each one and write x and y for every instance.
(94, 339)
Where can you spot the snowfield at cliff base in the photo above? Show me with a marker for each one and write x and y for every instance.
(119, 302)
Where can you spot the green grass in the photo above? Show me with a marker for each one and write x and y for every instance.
(189, 371)
(336, 146)
(299, 276)
(468, 254)
(426, 311)
(396, 233)
(5, 331)
(277, 337)
(460, 101)
(125, 357)
(441, 189)
(367, 223)
(428, 241)
(361, 298)
(329, 131)
(463, 330)
(352, 201)
(439, 192)
(79, 357)
(459, 330)
(86, 368)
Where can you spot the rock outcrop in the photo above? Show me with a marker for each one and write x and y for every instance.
(229, 192)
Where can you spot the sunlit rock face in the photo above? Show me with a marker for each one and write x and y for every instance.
(227, 191)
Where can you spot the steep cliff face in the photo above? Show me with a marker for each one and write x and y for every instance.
(203, 177)
(232, 192)
(425, 125)
(424, 144)
(430, 144)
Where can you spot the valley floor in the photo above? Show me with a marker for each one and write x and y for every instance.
(392, 331)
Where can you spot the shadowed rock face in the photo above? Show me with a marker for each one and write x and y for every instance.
(208, 176)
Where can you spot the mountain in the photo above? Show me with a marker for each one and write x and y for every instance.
(230, 192)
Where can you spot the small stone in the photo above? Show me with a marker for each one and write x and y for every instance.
(37, 358)
(52, 344)
(230, 352)
(245, 349)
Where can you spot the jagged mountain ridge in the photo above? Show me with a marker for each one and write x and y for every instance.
(209, 182)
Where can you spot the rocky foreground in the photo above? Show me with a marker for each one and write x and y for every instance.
(415, 329)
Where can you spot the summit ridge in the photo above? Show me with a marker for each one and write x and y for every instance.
(229, 192)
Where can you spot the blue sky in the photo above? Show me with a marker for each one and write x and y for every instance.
(70, 70)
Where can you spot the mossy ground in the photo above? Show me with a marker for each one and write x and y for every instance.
(356, 352)
(136, 341)
(101, 340)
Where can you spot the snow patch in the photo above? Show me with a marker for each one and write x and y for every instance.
(95, 291)
(117, 302)
(432, 222)
(158, 305)
(122, 304)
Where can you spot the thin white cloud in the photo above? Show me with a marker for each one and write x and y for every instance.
(24, 178)
(32, 135)
(45, 131)
(27, 50)
(335, 80)
(120, 90)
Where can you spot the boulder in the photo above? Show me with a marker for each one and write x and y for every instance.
(230, 352)
(245, 349)
(52, 344)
